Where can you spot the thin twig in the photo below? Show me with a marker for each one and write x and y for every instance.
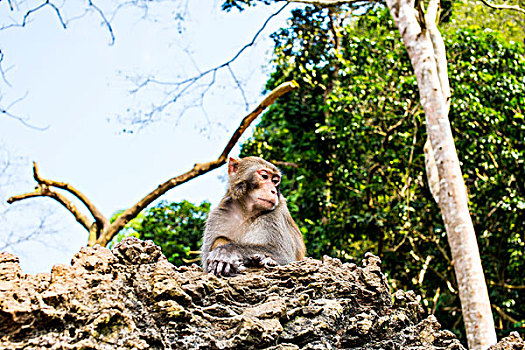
(328, 3)
(183, 86)
(506, 286)
(105, 20)
(21, 120)
(5, 111)
(2, 71)
(503, 6)
(239, 86)
(36, 232)
(216, 68)
(35, 9)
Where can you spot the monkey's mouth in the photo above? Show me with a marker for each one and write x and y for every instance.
(267, 201)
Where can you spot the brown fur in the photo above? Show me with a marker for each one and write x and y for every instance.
(252, 225)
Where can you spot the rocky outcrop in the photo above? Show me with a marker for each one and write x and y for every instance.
(512, 342)
(132, 297)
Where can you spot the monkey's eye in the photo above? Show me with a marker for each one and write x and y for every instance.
(276, 180)
(264, 175)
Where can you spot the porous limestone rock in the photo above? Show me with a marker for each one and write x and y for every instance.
(131, 297)
(512, 342)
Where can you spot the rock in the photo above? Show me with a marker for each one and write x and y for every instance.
(512, 342)
(132, 297)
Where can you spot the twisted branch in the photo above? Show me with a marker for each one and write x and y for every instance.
(198, 169)
(101, 231)
(43, 190)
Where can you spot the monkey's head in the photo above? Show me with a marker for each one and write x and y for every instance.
(255, 183)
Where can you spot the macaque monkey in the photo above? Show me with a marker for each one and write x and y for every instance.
(252, 225)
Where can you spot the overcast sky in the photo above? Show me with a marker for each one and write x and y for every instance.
(79, 86)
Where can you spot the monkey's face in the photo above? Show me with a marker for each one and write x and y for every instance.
(265, 189)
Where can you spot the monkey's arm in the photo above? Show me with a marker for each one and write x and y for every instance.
(225, 260)
(232, 258)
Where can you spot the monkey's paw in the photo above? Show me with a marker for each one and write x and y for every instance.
(261, 260)
(224, 262)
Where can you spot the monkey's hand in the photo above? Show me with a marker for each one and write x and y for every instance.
(261, 260)
(225, 261)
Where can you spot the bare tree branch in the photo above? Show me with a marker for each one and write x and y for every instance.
(2, 70)
(26, 18)
(505, 285)
(28, 14)
(100, 231)
(64, 22)
(12, 239)
(503, 6)
(198, 169)
(44, 191)
(504, 315)
(239, 86)
(5, 111)
(104, 20)
(183, 86)
(20, 119)
(99, 218)
(322, 3)
(329, 3)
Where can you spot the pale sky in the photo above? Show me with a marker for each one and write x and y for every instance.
(79, 86)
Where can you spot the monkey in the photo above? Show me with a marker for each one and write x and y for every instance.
(252, 226)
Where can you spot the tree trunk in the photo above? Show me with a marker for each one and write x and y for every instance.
(427, 52)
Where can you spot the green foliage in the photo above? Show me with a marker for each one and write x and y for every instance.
(356, 131)
(474, 13)
(176, 227)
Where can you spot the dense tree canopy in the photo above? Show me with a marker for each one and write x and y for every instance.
(510, 23)
(357, 132)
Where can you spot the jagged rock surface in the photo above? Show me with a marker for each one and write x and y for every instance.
(512, 342)
(132, 297)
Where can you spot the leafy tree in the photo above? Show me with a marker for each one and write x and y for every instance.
(472, 12)
(357, 132)
(176, 227)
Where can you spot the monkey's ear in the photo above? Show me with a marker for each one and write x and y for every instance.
(233, 166)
